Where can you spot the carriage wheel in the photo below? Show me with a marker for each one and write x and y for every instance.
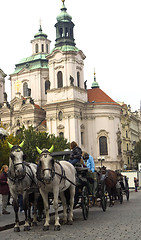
(104, 199)
(85, 202)
(121, 197)
(127, 194)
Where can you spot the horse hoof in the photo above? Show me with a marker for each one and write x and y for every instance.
(26, 228)
(34, 223)
(16, 229)
(64, 222)
(45, 228)
(57, 228)
(70, 222)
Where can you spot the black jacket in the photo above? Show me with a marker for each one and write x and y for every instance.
(76, 153)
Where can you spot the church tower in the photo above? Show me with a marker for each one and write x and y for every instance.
(67, 93)
(31, 75)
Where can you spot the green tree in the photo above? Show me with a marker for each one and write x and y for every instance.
(5, 150)
(31, 140)
(40, 139)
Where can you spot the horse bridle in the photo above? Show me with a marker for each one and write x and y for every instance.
(15, 165)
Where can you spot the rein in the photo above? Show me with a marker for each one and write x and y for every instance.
(14, 179)
(53, 173)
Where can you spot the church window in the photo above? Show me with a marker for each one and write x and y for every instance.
(60, 116)
(47, 48)
(42, 47)
(103, 145)
(126, 134)
(61, 134)
(78, 79)
(25, 89)
(60, 79)
(36, 48)
(61, 32)
(82, 138)
(127, 147)
(66, 32)
(47, 86)
(18, 122)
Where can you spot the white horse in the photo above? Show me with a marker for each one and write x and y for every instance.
(22, 180)
(55, 177)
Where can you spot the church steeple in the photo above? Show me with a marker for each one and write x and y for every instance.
(95, 83)
(64, 28)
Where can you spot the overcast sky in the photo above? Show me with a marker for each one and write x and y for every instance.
(107, 31)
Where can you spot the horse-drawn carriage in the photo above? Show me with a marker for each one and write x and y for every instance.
(89, 186)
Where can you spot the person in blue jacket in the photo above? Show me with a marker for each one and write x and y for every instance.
(88, 161)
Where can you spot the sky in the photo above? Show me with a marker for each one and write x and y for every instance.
(107, 31)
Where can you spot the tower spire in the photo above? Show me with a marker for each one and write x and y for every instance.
(95, 84)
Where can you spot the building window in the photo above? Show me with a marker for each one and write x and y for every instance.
(47, 48)
(78, 79)
(126, 134)
(18, 123)
(42, 47)
(61, 32)
(25, 89)
(36, 48)
(103, 145)
(47, 86)
(127, 147)
(61, 134)
(60, 116)
(60, 79)
(82, 138)
(66, 32)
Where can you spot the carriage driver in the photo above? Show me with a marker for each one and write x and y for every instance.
(76, 153)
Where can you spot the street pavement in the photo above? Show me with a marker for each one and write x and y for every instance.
(120, 222)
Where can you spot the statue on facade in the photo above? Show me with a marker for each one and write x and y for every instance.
(5, 96)
(71, 81)
(85, 84)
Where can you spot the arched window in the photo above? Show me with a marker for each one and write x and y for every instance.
(42, 47)
(59, 79)
(103, 145)
(36, 48)
(47, 86)
(18, 122)
(61, 32)
(61, 134)
(78, 79)
(25, 89)
(66, 32)
(47, 48)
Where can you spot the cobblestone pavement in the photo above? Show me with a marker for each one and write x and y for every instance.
(120, 222)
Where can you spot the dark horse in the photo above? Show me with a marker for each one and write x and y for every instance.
(22, 180)
(111, 181)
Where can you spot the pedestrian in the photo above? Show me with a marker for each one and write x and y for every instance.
(76, 153)
(88, 161)
(136, 184)
(4, 188)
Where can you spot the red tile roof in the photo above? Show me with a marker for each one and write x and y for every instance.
(98, 97)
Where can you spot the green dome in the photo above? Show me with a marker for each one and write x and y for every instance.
(40, 34)
(95, 85)
(64, 16)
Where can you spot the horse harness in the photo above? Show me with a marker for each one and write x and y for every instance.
(53, 172)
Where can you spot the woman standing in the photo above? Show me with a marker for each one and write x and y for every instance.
(4, 188)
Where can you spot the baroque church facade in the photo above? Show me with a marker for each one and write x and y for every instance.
(49, 92)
